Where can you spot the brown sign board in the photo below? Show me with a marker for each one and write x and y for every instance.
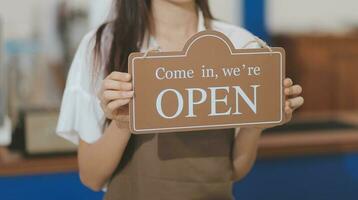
(207, 85)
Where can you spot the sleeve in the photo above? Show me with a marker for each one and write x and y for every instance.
(81, 116)
(242, 38)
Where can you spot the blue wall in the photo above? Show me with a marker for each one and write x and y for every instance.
(60, 186)
(254, 18)
(309, 178)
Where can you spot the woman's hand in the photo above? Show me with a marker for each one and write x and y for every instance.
(293, 101)
(115, 94)
(293, 98)
(246, 142)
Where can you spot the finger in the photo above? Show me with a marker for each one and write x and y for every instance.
(296, 102)
(124, 110)
(114, 105)
(288, 110)
(108, 114)
(293, 90)
(288, 82)
(110, 95)
(123, 118)
(120, 76)
(117, 85)
(288, 115)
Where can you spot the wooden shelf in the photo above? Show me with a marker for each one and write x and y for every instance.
(273, 145)
(46, 165)
(325, 66)
(313, 143)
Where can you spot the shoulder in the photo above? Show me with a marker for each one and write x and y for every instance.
(238, 35)
(89, 40)
(85, 48)
(86, 55)
(85, 71)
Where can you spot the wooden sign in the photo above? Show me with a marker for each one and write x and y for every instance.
(208, 85)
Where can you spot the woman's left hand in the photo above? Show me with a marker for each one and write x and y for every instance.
(293, 98)
(293, 101)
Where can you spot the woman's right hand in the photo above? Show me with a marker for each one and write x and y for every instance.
(115, 94)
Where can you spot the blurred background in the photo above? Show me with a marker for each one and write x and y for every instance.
(313, 157)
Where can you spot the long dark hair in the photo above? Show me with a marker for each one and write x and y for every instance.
(129, 28)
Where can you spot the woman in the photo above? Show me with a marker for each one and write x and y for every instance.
(200, 165)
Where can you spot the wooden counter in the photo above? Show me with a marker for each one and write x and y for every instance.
(272, 145)
(43, 165)
(313, 142)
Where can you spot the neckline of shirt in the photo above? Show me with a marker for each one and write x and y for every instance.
(153, 44)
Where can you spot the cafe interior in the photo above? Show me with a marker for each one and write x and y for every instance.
(315, 156)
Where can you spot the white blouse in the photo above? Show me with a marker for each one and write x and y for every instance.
(81, 116)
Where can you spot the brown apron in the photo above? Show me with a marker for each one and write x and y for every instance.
(175, 166)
